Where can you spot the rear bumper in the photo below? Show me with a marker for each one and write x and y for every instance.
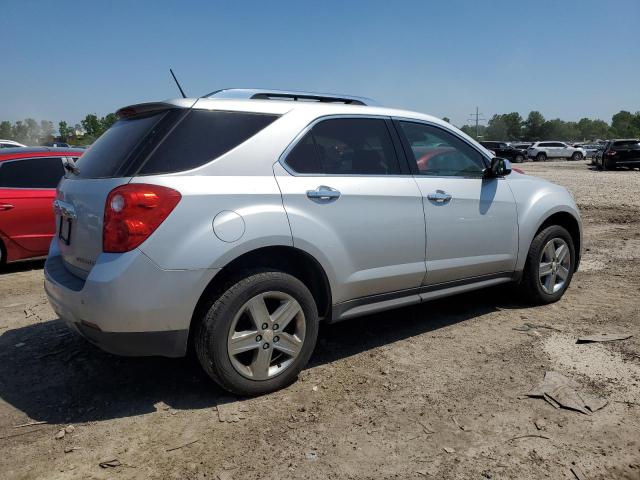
(127, 305)
(630, 162)
(171, 343)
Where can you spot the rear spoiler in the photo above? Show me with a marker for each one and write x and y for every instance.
(142, 108)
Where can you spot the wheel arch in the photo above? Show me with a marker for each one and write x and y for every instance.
(570, 223)
(288, 259)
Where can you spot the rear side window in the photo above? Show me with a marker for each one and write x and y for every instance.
(204, 136)
(627, 145)
(31, 173)
(346, 146)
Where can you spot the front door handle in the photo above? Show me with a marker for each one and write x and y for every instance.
(440, 196)
(323, 193)
(5, 206)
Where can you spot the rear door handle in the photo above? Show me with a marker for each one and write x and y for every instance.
(5, 206)
(323, 193)
(440, 196)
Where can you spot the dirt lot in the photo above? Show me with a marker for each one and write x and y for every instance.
(435, 391)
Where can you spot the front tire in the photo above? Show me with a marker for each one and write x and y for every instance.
(519, 159)
(549, 267)
(258, 334)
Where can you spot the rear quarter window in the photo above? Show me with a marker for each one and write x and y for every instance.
(627, 144)
(203, 136)
(168, 141)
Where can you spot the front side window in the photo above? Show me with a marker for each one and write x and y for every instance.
(346, 146)
(31, 173)
(440, 153)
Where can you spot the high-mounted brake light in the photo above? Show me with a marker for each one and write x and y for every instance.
(134, 211)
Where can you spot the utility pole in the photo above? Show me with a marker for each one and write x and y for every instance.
(477, 117)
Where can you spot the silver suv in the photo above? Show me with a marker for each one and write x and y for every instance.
(237, 222)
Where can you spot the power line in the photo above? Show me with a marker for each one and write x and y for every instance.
(477, 117)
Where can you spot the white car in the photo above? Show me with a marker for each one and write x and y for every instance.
(540, 151)
(10, 144)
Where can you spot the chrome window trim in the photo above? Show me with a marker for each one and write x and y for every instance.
(282, 159)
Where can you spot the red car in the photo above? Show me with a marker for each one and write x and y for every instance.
(28, 180)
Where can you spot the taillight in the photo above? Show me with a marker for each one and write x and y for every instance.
(133, 212)
(611, 152)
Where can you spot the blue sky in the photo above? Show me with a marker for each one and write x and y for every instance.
(568, 59)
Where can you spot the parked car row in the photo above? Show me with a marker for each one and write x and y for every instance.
(28, 179)
(537, 151)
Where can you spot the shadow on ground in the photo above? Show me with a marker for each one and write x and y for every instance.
(53, 375)
(23, 266)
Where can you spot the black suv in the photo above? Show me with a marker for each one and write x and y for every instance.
(506, 150)
(620, 153)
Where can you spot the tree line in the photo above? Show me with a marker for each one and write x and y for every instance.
(511, 126)
(506, 126)
(32, 132)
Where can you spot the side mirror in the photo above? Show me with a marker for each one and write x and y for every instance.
(499, 168)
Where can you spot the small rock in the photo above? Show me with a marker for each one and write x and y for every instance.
(311, 455)
(540, 424)
(60, 434)
(69, 429)
(385, 370)
(449, 450)
(315, 388)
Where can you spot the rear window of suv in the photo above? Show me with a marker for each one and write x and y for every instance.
(169, 141)
(627, 144)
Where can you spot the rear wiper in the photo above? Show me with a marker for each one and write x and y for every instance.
(70, 165)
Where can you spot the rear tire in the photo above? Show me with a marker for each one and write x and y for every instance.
(576, 156)
(549, 267)
(519, 159)
(541, 157)
(247, 312)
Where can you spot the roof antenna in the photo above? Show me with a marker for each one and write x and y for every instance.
(178, 83)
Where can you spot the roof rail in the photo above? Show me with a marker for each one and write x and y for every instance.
(260, 94)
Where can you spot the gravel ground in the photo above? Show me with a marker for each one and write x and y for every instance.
(434, 391)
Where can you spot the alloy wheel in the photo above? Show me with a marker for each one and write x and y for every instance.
(555, 264)
(266, 335)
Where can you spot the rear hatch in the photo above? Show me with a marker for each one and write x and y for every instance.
(627, 150)
(148, 139)
(110, 162)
